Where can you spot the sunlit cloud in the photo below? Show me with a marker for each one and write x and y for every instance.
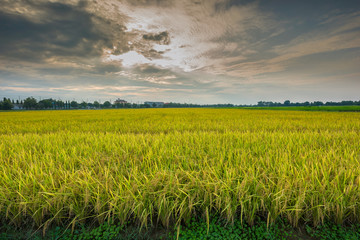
(195, 31)
(129, 59)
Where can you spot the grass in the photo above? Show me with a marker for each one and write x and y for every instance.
(165, 166)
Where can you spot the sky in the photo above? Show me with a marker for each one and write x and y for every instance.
(186, 51)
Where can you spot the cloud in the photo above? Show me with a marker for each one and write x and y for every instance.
(189, 35)
(57, 37)
(154, 76)
(62, 31)
(213, 47)
(129, 59)
(334, 34)
(343, 35)
(162, 38)
(180, 35)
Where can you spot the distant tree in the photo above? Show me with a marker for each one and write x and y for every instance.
(6, 104)
(83, 104)
(287, 103)
(347, 103)
(318, 103)
(45, 103)
(74, 104)
(30, 103)
(261, 103)
(107, 104)
(96, 104)
(60, 104)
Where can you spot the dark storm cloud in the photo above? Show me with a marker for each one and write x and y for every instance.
(64, 31)
(162, 38)
(149, 69)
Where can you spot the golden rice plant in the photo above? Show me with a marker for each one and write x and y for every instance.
(167, 165)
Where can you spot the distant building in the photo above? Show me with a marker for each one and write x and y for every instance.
(155, 104)
(18, 107)
(120, 101)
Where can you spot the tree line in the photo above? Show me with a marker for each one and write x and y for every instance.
(287, 103)
(31, 103)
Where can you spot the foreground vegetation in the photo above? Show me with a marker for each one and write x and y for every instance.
(196, 228)
(165, 166)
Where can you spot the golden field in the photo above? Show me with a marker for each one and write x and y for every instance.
(167, 165)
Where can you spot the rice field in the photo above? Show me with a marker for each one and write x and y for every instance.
(166, 165)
